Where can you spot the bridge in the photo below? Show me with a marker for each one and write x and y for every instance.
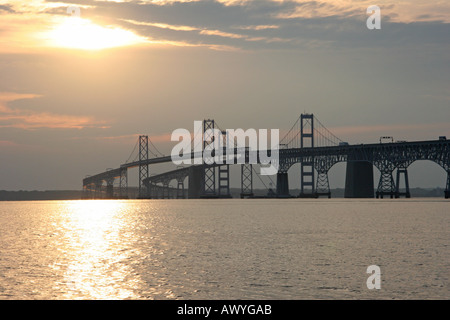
(308, 143)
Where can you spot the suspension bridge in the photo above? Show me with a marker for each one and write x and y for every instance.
(308, 143)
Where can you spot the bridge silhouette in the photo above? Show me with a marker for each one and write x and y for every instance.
(308, 143)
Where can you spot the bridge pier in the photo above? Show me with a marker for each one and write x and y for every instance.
(98, 189)
(195, 182)
(123, 185)
(87, 191)
(180, 188)
(359, 180)
(110, 188)
(323, 185)
(322, 166)
(166, 190)
(282, 185)
(386, 186)
(156, 192)
(402, 170)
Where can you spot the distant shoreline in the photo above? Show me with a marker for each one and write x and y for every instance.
(23, 195)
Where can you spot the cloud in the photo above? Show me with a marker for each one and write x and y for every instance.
(6, 7)
(222, 34)
(7, 143)
(263, 24)
(258, 27)
(30, 119)
(162, 25)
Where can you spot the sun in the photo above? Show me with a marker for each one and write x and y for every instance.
(78, 33)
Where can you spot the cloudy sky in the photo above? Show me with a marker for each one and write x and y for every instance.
(75, 92)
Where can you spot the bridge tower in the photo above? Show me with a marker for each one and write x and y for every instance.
(209, 172)
(307, 167)
(143, 166)
(224, 170)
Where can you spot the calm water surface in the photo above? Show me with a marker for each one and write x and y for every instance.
(224, 249)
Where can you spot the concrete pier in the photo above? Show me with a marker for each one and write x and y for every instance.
(282, 184)
(195, 182)
(359, 180)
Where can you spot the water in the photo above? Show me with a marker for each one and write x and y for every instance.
(224, 249)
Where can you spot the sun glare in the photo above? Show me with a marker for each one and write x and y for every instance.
(78, 33)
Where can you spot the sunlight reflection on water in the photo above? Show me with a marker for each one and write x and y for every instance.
(95, 243)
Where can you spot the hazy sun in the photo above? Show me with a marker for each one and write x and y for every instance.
(78, 33)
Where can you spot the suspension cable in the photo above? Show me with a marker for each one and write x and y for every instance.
(134, 149)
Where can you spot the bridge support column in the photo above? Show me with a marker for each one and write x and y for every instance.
(447, 189)
(195, 182)
(246, 180)
(110, 188)
(307, 180)
(359, 180)
(386, 186)
(155, 191)
(209, 182)
(282, 185)
(123, 185)
(149, 188)
(98, 190)
(166, 190)
(323, 185)
(180, 188)
(322, 166)
(402, 170)
(87, 191)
